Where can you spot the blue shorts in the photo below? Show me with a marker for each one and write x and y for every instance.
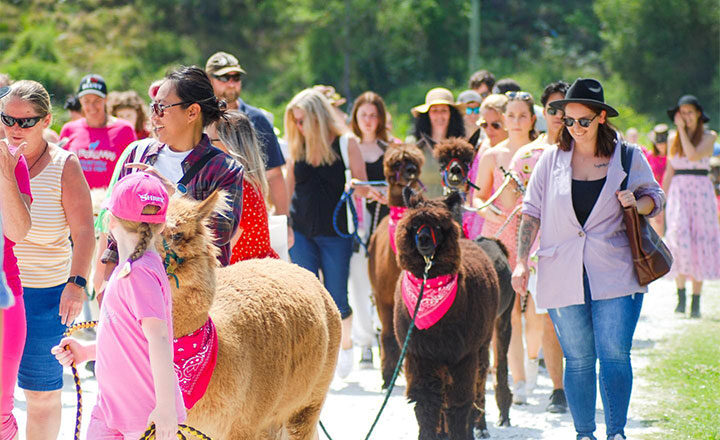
(39, 370)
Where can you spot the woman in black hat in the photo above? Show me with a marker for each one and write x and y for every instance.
(693, 234)
(585, 275)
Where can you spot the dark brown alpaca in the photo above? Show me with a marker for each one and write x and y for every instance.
(455, 156)
(401, 166)
(447, 362)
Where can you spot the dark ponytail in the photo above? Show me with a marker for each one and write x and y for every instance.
(193, 85)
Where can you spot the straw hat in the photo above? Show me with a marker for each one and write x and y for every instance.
(436, 96)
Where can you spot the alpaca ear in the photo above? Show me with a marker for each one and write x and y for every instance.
(453, 201)
(209, 205)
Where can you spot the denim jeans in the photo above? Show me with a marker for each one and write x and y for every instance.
(331, 254)
(601, 329)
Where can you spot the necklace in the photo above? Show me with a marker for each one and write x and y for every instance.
(39, 157)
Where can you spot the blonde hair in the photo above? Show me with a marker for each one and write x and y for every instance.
(319, 126)
(146, 231)
(237, 134)
(32, 92)
(495, 102)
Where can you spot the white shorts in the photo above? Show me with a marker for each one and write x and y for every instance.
(532, 288)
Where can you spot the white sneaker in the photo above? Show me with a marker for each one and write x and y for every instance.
(531, 374)
(345, 363)
(519, 393)
(618, 437)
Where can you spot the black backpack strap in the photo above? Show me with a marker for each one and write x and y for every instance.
(626, 153)
(197, 166)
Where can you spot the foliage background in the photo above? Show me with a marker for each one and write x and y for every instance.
(647, 53)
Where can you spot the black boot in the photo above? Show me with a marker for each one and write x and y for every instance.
(695, 306)
(681, 301)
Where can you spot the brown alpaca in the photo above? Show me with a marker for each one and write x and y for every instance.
(401, 166)
(455, 156)
(278, 334)
(447, 362)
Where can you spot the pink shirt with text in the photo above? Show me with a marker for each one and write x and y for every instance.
(126, 391)
(98, 148)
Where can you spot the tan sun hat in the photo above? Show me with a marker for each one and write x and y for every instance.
(438, 95)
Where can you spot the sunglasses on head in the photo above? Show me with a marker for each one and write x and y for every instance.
(21, 122)
(472, 110)
(584, 122)
(495, 125)
(524, 96)
(235, 77)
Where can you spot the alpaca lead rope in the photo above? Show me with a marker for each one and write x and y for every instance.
(150, 432)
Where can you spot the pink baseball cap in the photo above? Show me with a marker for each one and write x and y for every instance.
(133, 193)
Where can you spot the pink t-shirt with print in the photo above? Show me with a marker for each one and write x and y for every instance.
(10, 267)
(98, 148)
(126, 391)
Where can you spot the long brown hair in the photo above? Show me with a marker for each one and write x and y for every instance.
(606, 137)
(696, 136)
(374, 99)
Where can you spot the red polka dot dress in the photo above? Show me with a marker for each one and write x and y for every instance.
(254, 241)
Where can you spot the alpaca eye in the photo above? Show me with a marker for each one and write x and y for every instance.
(178, 236)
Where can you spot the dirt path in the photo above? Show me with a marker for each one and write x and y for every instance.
(352, 404)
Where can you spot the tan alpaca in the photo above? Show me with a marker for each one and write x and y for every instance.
(278, 334)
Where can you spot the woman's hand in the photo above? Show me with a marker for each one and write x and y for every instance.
(9, 160)
(626, 198)
(71, 302)
(69, 350)
(492, 214)
(520, 277)
(166, 422)
(169, 186)
(679, 121)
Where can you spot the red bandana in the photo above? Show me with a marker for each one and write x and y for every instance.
(438, 296)
(396, 213)
(194, 358)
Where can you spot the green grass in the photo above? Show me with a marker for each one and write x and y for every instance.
(684, 375)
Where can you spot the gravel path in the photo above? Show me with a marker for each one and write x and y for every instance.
(353, 403)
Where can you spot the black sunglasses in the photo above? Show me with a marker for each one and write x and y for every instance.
(226, 78)
(584, 122)
(159, 109)
(524, 96)
(552, 111)
(495, 125)
(22, 122)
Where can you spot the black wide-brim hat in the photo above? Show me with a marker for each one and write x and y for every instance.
(586, 91)
(687, 99)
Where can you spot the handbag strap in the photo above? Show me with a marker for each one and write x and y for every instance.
(197, 166)
(626, 153)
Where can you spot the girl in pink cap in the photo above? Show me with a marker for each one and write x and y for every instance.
(137, 384)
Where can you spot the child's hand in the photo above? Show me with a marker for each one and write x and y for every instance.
(165, 419)
(69, 350)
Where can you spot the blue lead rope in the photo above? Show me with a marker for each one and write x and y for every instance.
(346, 198)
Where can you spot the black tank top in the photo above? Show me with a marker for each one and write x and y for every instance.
(584, 196)
(375, 172)
(317, 192)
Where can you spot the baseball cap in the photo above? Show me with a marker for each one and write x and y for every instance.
(222, 63)
(94, 84)
(133, 193)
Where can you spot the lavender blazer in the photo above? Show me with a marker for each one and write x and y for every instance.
(601, 245)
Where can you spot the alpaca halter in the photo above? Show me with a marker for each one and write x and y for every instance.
(172, 262)
(445, 172)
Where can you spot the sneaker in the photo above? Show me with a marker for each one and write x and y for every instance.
(345, 363)
(519, 394)
(366, 357)
(531, 374)
(558, 402)
(617, 437)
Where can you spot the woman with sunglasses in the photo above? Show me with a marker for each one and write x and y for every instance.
(471, 100)
(519, 118)
(183, 157)
(53, 258)
(316, 179)
(586, 276)
(693, 234)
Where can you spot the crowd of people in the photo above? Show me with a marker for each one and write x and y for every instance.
(578, 300)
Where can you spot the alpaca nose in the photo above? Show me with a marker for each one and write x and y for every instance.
(425, 241)
(456, 172)
(411, 171)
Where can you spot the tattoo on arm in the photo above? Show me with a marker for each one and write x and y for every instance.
(529, 227)
(602, 165)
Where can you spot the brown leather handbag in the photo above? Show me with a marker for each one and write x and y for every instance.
(651, 257)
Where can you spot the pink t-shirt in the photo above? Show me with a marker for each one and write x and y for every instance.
(126, 392)
(10, 267)
(98, 148)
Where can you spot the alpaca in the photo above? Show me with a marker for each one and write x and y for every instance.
(455, 156)
(448, 355)
(401, 167)
(278, 333)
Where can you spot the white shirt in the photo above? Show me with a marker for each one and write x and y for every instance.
(169, 163)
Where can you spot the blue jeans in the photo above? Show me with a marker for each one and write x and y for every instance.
(331, 254)
(601, 329)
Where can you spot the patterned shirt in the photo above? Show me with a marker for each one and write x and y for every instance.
(222, 172)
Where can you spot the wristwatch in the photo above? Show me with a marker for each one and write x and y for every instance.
(77, 280)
